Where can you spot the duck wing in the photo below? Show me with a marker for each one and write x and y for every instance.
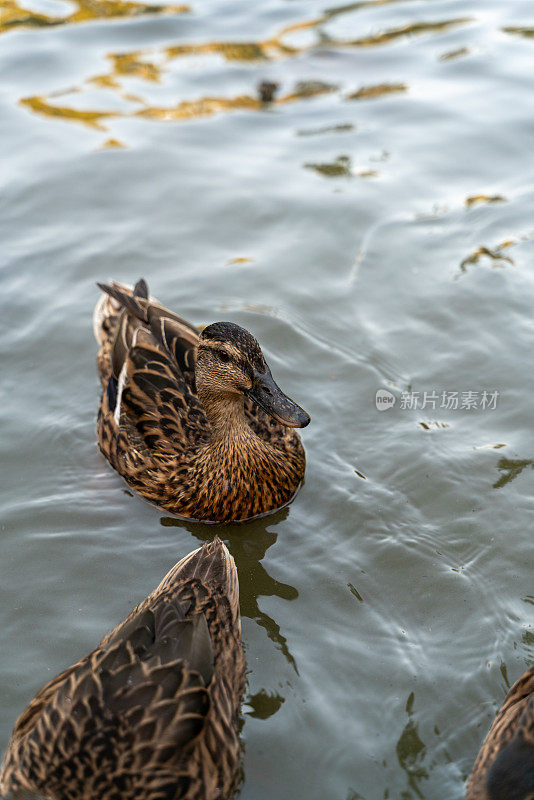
(173, 334)
(151, 374)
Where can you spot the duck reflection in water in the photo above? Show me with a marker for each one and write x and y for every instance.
(411, 751)
(248, 545)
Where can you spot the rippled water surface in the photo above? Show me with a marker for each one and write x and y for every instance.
(374, 227)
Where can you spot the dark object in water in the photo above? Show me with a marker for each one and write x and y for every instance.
(267, 91)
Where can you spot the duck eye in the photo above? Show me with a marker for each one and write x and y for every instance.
(225, 358)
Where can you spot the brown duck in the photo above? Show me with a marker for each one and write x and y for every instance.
(152, 713)
(504, 768)
(194, 422)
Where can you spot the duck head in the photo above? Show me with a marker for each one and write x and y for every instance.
(230, 362)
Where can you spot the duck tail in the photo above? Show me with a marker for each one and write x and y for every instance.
(115, 297)
(211, 564)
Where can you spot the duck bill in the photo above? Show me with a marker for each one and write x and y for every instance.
(268, 396)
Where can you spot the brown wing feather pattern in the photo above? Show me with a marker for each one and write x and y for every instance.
(165, 411)
(152, 713)
(159, 410)
(177, 337)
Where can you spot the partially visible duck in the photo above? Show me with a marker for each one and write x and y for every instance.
(152, 713)
(504, 767)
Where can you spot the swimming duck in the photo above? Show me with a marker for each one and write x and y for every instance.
(152, 713)
(193, 421)
(504, 767)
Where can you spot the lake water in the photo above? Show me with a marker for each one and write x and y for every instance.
(374, 227)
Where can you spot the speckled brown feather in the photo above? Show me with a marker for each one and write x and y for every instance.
(152, 713)
(508, 747)
(162, 444)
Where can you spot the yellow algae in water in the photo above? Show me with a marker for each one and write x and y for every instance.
(337, 10)
(379, 90)
(132, 98)
(239, 260)
(340, 168)
(389, 35)
(231, 51)
(91, 118)
(295, 27)
(111, 144)
(104, 82)
(132, 65)
(415, 29)
(12, 15)
(484, 198)
(205, 106)
(308, 89)
(494, 255)
(276, 47)
(331, 13)
(101, 9)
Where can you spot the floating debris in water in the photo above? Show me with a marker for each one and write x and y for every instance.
(450, 54)
(340, 168)
(239, 260)
(484, 198)
(111, 144)
(355, 592)
(308, 89)
(528, 33)
(434, 424)
(343, 127)
(379, 90)
(495, 255)
(416, 28)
